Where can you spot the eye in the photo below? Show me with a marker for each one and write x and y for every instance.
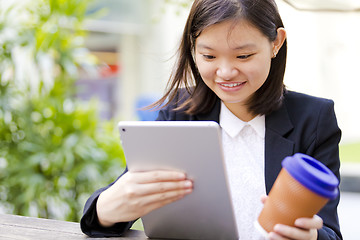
(208, 57)
(244, 56)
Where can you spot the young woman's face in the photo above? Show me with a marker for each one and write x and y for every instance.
(233, 60)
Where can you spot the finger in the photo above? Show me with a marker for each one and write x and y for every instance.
(275, 236)
(263, 198)
(160, 187)
(155, 201)
(308, 223)
(165, 201)
(157, 176)
(292, 232)
(164, 197)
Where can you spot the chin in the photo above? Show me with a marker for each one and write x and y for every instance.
(231, 101)
(234, 99)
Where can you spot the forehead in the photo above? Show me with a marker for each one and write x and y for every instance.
(235, 33)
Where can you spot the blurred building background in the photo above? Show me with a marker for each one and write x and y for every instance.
(137, 41)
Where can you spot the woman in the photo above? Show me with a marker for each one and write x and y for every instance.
(230, 69)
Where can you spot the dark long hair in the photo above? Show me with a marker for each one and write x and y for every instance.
(264, 15)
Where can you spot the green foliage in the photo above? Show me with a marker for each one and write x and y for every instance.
(350, 152)
(54, 150)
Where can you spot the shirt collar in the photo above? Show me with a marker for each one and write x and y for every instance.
(233, 125)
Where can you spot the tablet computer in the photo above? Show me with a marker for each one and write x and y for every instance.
(195, 148)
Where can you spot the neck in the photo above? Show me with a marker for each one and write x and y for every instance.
(240, 111)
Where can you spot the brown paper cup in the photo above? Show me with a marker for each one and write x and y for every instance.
(289, 200)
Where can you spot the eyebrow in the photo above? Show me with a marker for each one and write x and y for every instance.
(245, 46)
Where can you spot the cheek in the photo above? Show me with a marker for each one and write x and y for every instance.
(259, 70)
(206, 70)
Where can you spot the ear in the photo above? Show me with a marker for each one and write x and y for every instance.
(279, 41)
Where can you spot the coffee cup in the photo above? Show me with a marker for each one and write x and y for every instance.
(303, 186)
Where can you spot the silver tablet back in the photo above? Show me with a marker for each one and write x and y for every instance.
(195, 148)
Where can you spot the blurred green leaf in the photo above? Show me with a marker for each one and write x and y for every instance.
(350, 152)
(54, 150)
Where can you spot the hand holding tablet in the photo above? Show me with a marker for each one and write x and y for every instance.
(138, 193)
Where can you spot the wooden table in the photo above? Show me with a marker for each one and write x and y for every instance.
(28, 228)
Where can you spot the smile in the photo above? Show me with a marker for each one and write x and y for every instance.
(231, 85)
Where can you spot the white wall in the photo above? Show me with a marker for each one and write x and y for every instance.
(324, 60)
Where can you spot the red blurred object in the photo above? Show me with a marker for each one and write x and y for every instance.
(109, 70)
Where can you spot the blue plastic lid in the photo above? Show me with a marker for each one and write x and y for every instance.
(312, 174)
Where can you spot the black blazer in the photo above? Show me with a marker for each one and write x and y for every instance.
(303, 124)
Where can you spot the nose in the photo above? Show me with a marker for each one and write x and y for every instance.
(226, 71)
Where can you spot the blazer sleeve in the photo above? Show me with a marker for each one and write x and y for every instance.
(325, 148)
(89, 222)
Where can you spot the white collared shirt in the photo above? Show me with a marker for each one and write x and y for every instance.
(244, 148)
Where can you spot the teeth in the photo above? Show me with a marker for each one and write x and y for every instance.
(231, 84)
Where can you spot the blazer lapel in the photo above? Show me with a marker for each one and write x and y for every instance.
(277, 147)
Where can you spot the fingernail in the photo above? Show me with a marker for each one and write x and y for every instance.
(181, 176)
(188, 184)
(189, 190)
(278, 227)
(298, 222)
